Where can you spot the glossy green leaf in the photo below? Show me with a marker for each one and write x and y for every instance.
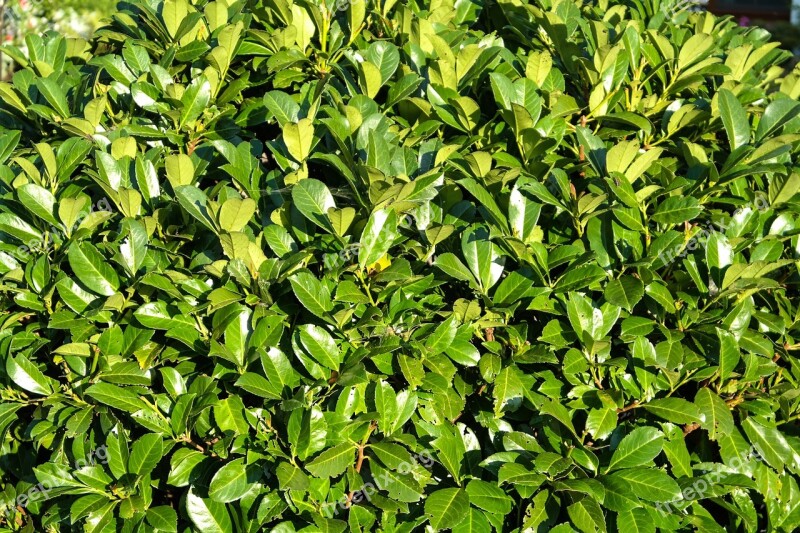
(377, 237)
(313, 199)
(332, 462)
(195, 100)
(39, 201)
(637, 448)
(624, 292)
(675, 410)
(319, 344)
(229, 483)
(116, 397)
(715, 416)
(146, 452)
(734, 118)
(447, 508)
(91, 269)
(675, 210)
(208, 515)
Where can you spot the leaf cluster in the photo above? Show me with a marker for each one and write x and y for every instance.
(388, 266)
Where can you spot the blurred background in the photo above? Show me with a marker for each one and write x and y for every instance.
(780, 17)
(74, 18)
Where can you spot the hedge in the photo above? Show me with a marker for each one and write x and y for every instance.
(400, 266)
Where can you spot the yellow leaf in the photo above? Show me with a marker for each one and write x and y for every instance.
(380, 265)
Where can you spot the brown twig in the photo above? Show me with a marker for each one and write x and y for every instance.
(188, 440)
(360, 460)
(19, 521)
(688, 428)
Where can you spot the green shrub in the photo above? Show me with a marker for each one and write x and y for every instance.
(390, 266)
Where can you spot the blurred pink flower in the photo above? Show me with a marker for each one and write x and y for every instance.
(744, 21)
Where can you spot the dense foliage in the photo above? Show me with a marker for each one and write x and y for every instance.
(394, 266)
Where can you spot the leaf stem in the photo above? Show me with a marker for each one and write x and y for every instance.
(627, 408)
(360, 460)
(365, 284)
